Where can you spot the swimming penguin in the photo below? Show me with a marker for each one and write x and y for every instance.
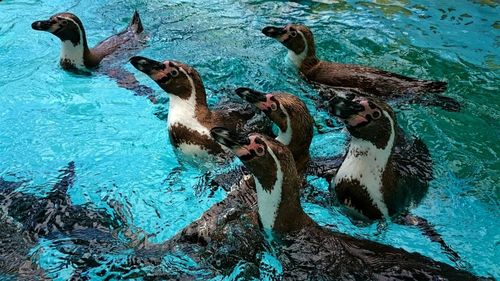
(295, 125)
(299, 41)
(189, 117)
(26, 218)
(306, 250)
(292, 117)
(383, 172)
(106, 57)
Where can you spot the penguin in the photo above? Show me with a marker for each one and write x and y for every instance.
(306, 250)
(106, 57)
(383, 172)
(189, 117)
(295, 125)
(299, 41)
(26, 218)
(292, 118)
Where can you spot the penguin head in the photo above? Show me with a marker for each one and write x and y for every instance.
(65, 26)
(260, 154)
(297, 38)
(366, 118)
(268, 103)
(173, 77)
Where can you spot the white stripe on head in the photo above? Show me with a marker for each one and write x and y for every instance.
(285, 137)
(183, 111)
(268, 201)
(73, 53)
(298, 59)
(366, 163)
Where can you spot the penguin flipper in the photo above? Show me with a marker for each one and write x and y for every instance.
(446, 103)
(128, 81)
(325, 167)
(427, 229)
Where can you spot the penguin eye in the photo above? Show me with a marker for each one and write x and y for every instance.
(64, 22)
(260, 151)
(174, 73)
(376, 114)
(293, 33)
(274, 106)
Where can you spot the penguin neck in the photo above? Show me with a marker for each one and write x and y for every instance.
(307, 58)
(366, 164)
(297, 136)
(286, 135)
(279, 205)
(76, 54)
(191, 109)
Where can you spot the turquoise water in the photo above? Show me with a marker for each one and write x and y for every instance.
(49, 117)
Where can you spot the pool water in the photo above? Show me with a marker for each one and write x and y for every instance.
(49, 117)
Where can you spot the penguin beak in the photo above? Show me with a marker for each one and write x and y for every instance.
(42, 25)
(344, 108)
(243, 146)
(251, 96)
(146, 65)
(229, 139)
(273, 32)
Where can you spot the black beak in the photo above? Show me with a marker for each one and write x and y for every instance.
(344, 108)
(146, 65)
(273, 32)
(228, 138)
(250, 95)
(42, 25)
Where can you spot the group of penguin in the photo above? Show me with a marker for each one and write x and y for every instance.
(382, 174)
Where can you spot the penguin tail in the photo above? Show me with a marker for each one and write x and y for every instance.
(446, 103)
(435, 86)
(136, 23)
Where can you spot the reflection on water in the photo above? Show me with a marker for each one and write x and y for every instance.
(49, 117)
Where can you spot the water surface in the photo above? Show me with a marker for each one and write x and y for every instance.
(49, 117)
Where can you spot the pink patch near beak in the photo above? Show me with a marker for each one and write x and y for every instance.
(245, 150)
(267, 104)
(361, 116)
(157, 75)
(356, 120)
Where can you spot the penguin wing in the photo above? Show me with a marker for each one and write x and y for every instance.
(233, 115)
(413, 160)
(128, 39)
(127, 80)
(110, 45)
(376, 81)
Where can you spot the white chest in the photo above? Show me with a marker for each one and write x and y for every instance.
(195, 155)
(297, 59)
(72, 54)
(183, 112)
(269, 201)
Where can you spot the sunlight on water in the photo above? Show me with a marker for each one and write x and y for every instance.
(122, 156)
